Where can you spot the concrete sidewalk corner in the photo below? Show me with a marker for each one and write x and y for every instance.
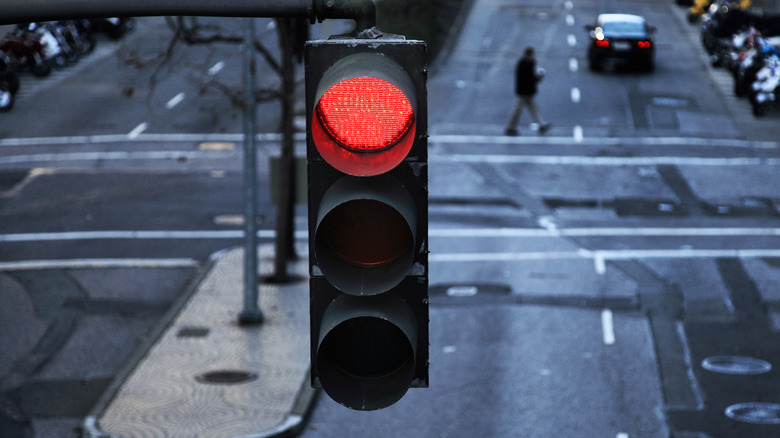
(201, 374)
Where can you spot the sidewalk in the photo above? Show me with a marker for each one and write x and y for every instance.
(206, 376)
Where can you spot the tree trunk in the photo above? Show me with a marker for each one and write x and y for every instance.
(285, 229)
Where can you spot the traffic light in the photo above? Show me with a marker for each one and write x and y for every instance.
(366, 111)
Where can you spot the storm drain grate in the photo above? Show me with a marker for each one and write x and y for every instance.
(193, 332)
(226, 377)
(755, 413)
(736, 365)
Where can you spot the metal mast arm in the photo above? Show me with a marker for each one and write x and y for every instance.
(22, 11)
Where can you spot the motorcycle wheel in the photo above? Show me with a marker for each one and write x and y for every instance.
(6, 99)
(86, 45)
(761, 109)
(742, 86)
(11, 81)
(71, 56)
(59, 61)
(115, 32)
(42, 68)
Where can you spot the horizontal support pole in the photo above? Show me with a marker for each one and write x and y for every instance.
(24, 11)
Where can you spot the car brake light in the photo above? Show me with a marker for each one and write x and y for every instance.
(602, 43)
(643, 44)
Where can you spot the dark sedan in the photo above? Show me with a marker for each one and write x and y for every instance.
(621, 38)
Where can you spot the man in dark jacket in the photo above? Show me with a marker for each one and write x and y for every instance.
(526, 79)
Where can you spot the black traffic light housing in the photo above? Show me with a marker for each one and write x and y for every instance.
(368, 225)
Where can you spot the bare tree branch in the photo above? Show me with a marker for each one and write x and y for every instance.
(190, 31)
(269, 59)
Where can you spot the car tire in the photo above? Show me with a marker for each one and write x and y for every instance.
(761, 109)
(595, 65)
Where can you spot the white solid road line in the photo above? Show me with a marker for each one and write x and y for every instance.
(549, 232)
(27, 265)
(137, 235)
(603, 232)
(433, 139)
(602, 255)
(580, 160)
(603, 141)
(544, 160)
(113, 156)
(548, 160)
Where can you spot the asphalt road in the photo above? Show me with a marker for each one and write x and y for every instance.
(578, 280)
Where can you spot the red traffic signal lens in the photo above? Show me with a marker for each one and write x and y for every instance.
(365, 113)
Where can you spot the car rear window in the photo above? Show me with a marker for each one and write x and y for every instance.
(624, 28)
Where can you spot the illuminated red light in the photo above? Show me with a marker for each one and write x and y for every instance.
(643, 44)
(364, 126)
(602, 43)
(365, 113)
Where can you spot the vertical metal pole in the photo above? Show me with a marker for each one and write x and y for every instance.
(251, 314)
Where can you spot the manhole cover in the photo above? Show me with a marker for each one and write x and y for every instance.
(736, 365)
(226, 377)
(755, 413)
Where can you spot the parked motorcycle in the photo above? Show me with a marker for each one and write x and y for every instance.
(26, 49)
(9, 84)
(747, 42)
(79, 35)
(114, 27)
(67, 51)
(702, 8)
(766, 86)
(747, 63)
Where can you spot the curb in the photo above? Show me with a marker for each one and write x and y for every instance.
(155, 394)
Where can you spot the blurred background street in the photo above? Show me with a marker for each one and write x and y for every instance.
(582, 281)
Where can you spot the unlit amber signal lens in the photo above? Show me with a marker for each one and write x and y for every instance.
(366, 233)
(365, 114)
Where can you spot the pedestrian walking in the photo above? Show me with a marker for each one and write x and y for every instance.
(527, 77)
